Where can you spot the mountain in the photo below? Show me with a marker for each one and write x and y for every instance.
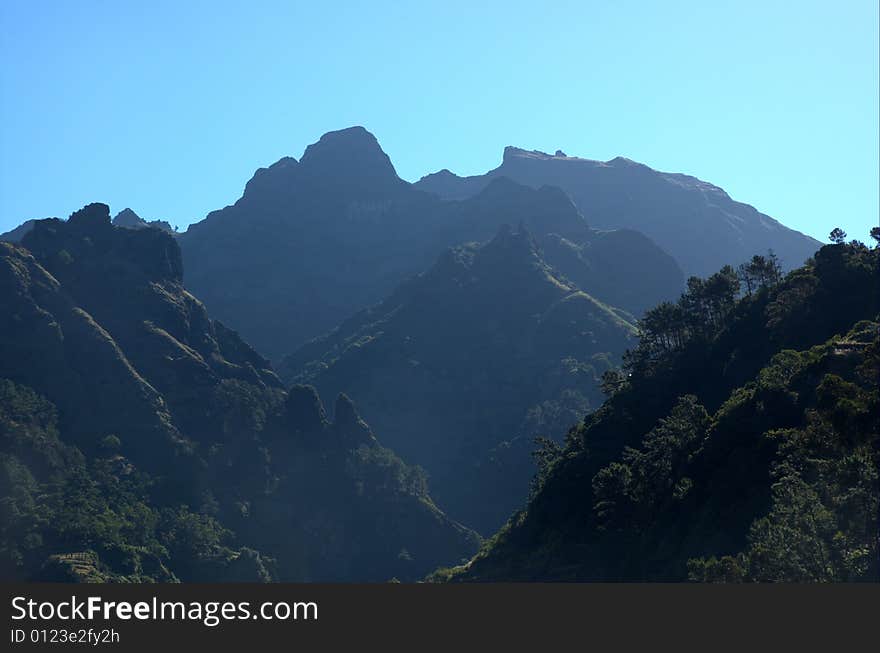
(131, 220)
(311, 242)
(142, 440)
(696, 222)
(739, 443)
(462, 366)
(621, 267)
(125, 218)
(15, 235)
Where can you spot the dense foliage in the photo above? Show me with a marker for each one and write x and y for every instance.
(142, 441)
(739, 441)
(313, 241)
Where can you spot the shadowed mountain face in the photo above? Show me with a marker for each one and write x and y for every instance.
(142, 440)
(461, 367)
(312, 241)
(747, 449)
(307, 243)
(15, 235)
(696, 222)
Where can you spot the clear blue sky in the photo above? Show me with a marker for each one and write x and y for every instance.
(169, 107)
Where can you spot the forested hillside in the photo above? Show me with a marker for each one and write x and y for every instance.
(141, 440)
(739, 441)
(531, 294)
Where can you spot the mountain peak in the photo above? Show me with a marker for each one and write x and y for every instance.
(545, 209)
(623, 162)
(623, 193)
(445, 173)
(274, 179)
(128, 218)
(351, 157)
(91, 216)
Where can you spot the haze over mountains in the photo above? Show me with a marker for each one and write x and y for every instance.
(311, 242)
(463, 366)
(452, 323)
(696, 222)
(741, 444)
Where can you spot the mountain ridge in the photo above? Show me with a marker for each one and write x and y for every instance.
(621, 193)
(455, 359)
(304, 247)
(186, 457)
(731, 446)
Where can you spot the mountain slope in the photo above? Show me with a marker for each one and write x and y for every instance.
(306, 243)
(141, 440)
(311, 242)
(461, 367)
(741, 445)
(696, 222)
(15, 235)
